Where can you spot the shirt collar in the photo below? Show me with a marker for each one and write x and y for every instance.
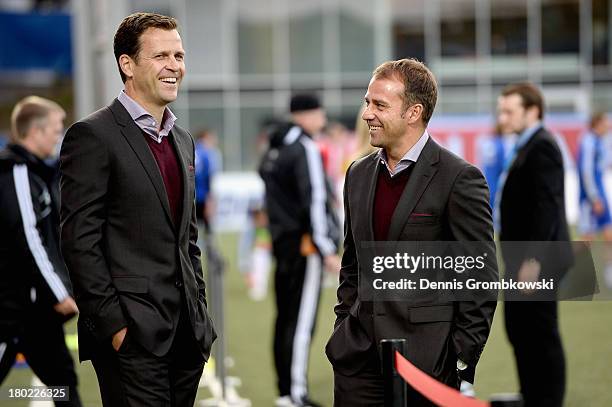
(145, 120)
(528, 133)
(411, 156)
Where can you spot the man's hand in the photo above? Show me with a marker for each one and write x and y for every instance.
(529, 272)
(332, 263)
(118, 338)
(210, 206)
(598, 207)
(66, 307)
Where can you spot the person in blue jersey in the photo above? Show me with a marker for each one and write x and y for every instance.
(492, 162)
(203, 177)
(595, 220)
(493, 153)
(594, 208)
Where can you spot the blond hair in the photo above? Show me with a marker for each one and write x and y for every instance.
(29, 112)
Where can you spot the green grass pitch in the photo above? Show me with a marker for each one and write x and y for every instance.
(586, 329)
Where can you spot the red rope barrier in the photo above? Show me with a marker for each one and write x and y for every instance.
(436, 392)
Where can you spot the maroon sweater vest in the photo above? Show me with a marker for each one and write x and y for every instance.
(388, 193)
(167, 162)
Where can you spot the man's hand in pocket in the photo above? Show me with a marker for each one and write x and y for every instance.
(118, 338)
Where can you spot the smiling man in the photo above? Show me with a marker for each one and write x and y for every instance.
(411, 189)
(129, 229)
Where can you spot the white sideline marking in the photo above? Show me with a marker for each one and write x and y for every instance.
(34, 403)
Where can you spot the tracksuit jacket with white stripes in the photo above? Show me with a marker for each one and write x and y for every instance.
(299, 198)
(31, 265)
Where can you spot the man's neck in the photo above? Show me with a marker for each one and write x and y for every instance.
(31, 148)
(531, 126)
(396, 152)
(156, 111)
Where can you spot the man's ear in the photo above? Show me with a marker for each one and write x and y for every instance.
(534, 112)
(127, 65)
(414, 113)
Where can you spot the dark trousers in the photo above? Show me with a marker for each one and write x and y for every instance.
(42, 343)
(533, 331)
(297, 283)
(363, 389)
(132, 376)
(367, 388)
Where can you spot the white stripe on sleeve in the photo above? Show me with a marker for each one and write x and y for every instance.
(28, 218)
(318, 199)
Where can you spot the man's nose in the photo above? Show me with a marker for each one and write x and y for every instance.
(173, 64)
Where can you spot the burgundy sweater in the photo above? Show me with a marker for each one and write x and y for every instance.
(388, 193)
(165, 155)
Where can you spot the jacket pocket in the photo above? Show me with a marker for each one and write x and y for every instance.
(129, 284)
(422, 219)
(435, 313)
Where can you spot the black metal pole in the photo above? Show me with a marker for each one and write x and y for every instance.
(395, 386)
(216, 294)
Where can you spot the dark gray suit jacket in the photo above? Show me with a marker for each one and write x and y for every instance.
(129, 264)
(455, 195)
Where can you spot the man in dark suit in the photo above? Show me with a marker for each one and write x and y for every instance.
(531, 208)
(410, 190)
(129, 229)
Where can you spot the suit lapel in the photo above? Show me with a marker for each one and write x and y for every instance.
(422, 174)
(375, 162)
(135, 138)
(178, 139)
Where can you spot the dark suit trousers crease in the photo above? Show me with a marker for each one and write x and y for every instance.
(133, 376)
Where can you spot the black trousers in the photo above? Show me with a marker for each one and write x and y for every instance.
(367, 389)
(132, 376)
(43, 344)
(297, 284)
(363, 389)
(533, 331)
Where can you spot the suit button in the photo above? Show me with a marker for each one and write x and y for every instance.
(178, 284)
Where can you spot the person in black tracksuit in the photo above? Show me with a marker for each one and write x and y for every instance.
(305, 236)
(35, 289)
